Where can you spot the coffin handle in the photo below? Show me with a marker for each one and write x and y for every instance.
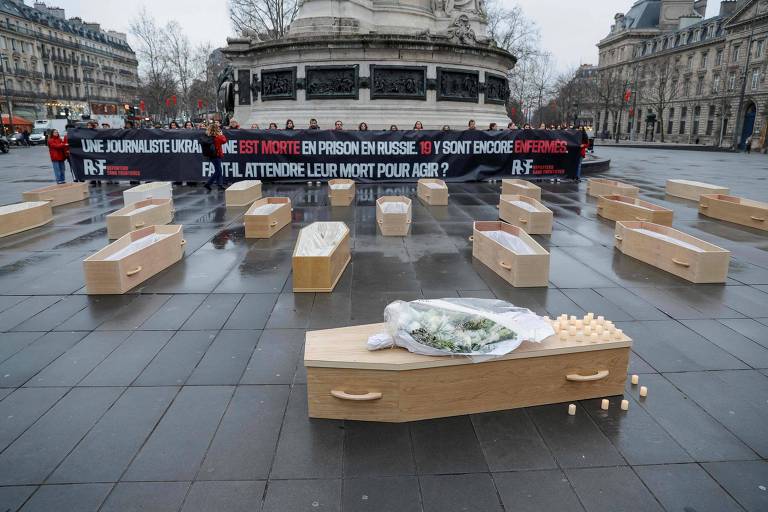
(381, 222)
(471, 238)
(681, 263)
(273, 224)
(758, 219)
(343, 395)
(134, 271)
(505, 265)
(641, 219)
(140, 224)
(183, 243)
(576, 377)
(619, 238)
(703, 206)
(524, 221)
(47, 199)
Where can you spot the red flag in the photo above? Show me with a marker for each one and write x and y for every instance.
(173, 99)
(168, 102)
(141, 105)
(631, 112)
(199, 104)
(513, 111)
(627, 95)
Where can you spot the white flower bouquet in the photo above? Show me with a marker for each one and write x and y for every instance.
(480, 328)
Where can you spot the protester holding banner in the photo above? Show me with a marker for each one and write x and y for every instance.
(362, 127)
(217, 139)
(57, 148)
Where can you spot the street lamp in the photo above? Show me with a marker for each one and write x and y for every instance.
(3, 60)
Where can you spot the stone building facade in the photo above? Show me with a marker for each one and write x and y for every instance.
(716, 90)
(54, 66)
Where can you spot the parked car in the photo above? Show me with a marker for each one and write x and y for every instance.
(37, 136)
(4, 144)
(17, 139)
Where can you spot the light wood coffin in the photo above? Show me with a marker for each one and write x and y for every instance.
(604, 187)
(341, 192)
(243, 193)
(149, 212)
(674, 251)
(267, 216)
(154, 190)
(519, 187)
(692, 190)
(738, 210)
(527, 213)
(616, 207)
(393, 215)
(132, 259)
(15, 218)
(59, 194)
(433, 192)
(320, 256)
(347, 381)
(511, 253)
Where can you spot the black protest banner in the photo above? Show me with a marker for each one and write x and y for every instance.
(301, 155)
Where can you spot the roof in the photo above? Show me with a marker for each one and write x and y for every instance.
(643, 14)
(42, 18)
(17, 120)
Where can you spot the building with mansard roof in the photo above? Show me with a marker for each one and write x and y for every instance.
(690, 78)
(53, 66)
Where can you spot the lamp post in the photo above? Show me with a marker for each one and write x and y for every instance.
(3, 60)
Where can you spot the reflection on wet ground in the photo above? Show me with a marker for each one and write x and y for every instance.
(188, 393)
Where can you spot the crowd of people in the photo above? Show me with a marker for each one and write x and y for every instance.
(213, 140)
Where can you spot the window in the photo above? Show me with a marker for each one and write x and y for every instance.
(710, 125)
(696, 114)
(689, 64)
(759, 46)
(670, 120)
(736, 53)
(719, 57)
(686, 87)
(755, 79)
(700, 87)
(639, 117)
(715, 84)
(683, 115)
(704, 59)
(732, 81)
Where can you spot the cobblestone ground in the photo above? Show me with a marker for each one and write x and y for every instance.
(189, 393)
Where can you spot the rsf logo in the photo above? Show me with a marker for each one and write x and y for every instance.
(94, 167)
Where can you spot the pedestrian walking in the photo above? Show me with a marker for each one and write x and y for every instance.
(57, 148)
(212, 143)
(748, 145)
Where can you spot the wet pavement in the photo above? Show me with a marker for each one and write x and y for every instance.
(189, 393)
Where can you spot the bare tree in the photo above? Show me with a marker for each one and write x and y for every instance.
(262, 19)
(181, 62)
(610, 90)
(156, 83)
(541, 81)
(665, 89)
(209, 63)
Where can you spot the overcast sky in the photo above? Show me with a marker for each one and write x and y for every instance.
(569, 29)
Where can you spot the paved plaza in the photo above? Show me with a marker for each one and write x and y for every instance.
(189, 393)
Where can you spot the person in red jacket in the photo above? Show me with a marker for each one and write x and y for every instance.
(58, 149)
(214, 132)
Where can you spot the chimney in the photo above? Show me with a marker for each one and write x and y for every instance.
(92, 26)
(728, 7)
(672, 11)
(700, 6)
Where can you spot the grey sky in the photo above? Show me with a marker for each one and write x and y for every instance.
(569, 29)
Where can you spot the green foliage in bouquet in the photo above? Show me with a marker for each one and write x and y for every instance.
(457, 333)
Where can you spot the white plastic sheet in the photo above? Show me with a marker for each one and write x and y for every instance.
(510, 241)
(137, 245)
(143, 208)
(145, 187)
(434, 185)
(320, 238)
(525, 206)
(340, 186)
(17, 207)
(479, 328)
(668, 238)
(266, 209)
(394, 207)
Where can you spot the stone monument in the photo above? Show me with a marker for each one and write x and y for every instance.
(380, 61)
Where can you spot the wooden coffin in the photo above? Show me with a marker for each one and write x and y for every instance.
(132, 259)
(347, 381)
(616, 207)
(511, 253)
(688, 189)
(676, 252)
(527, 213)
(243, 193)
(267, 216)
(393, 215)
(604, 187)
(149, 212)
(154, 190)
(59, 194)
(738, 210)
(341, 192)
(15, 218)
(433, 192)
(516, 187)
(320, 256)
